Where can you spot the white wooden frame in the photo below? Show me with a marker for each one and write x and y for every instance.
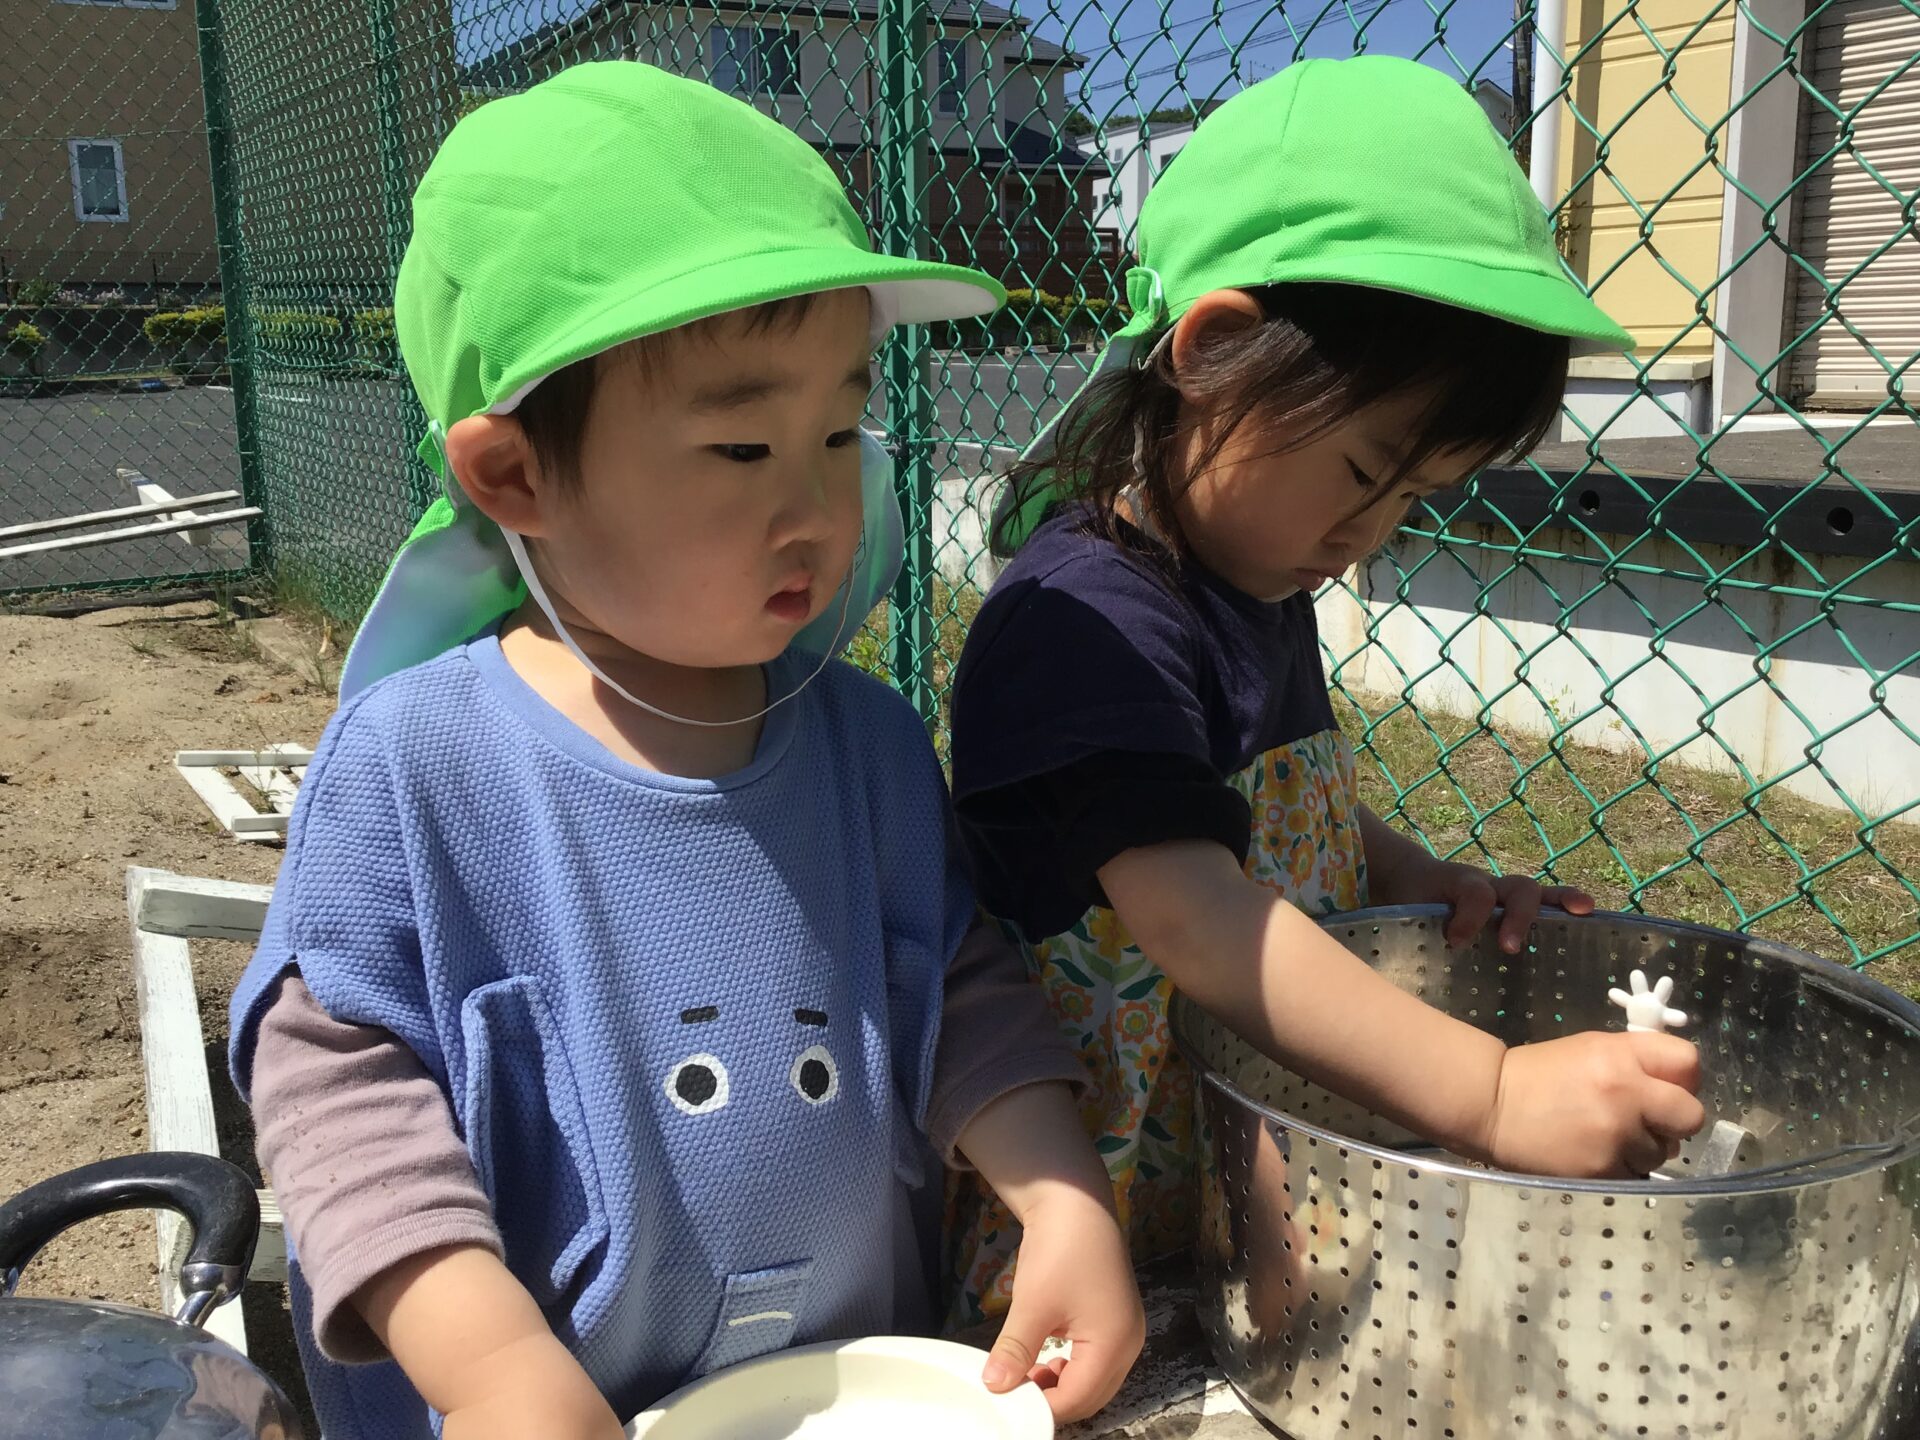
(275, 772)
(119, 176)
(167, 910)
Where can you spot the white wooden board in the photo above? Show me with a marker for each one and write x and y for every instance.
(179, 1097)
(275, 772)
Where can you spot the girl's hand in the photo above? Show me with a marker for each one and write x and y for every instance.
(1596, 1105)
(1474, 895)
(1074, 1280)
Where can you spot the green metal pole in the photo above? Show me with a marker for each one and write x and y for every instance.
(396, 190)
(233, 280)
(905, 140)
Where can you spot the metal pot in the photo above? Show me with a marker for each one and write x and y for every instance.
(83, 1370)
(1355, 1283)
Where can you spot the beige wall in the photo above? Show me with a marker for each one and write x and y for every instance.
(1651, 150)
(102, 72)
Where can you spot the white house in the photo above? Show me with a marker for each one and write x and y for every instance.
(1135, 152)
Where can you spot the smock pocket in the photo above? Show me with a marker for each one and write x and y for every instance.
(758, 1314)
(527, 1132)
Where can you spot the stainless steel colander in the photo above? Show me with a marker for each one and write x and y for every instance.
(1356, 1283)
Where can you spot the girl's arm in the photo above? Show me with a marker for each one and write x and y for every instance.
(1593, 1104)
(1074, 1277)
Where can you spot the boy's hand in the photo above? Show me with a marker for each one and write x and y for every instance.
(539, 1389)
(1074, 1280)
(1596, 1105)
(1474, 895)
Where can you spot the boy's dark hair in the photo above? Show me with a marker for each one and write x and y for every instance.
(554, 413)
(1323, 354)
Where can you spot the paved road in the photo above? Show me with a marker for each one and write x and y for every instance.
(335, 451)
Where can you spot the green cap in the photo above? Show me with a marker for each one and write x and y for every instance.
(615, 201)
(1373, 171)
(610, 202)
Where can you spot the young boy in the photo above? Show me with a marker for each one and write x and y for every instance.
(619, 993)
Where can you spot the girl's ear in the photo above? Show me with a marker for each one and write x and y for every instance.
(1215, 316)
(491, 458)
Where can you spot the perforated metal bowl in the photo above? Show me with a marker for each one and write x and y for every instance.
(1356, 1284)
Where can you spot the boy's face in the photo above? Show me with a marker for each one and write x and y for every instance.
(718, 507)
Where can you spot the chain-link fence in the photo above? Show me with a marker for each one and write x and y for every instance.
(114, 393)
(1675, 656)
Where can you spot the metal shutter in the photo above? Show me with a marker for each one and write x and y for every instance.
(1843, 214)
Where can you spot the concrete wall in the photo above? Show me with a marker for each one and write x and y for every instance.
(1705, 667)
(1659, 696)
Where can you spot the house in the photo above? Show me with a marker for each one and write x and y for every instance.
(1496, 102)
(1007, 193)
(1742, 260)
(103, 146)
(1129, 155)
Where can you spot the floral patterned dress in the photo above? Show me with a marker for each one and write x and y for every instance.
(1112, 1001)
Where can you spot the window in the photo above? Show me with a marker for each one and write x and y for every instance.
(99, 180)
(754, 60)
(953, 77)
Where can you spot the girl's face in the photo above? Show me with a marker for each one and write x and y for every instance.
(1270, 518)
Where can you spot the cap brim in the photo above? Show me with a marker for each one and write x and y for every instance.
(1549, 304)
(912, 292)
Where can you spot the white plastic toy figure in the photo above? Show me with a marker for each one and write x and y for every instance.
(1647, 1010)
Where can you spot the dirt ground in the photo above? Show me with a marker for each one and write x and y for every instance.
(92, 710)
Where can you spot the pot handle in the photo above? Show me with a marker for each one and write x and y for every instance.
(217, 1199)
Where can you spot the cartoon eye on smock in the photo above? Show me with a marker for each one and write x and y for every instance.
(697, 1085)
(815, 1075)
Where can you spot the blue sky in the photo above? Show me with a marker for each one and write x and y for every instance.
(1148, 54)
(1171, 52)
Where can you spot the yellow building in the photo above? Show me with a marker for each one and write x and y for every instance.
(1735, 179)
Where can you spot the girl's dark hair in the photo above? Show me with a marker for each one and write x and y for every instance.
(1323, 353)
(554, 412)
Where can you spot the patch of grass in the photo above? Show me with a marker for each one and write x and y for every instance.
(1682, 842)
(954, 607)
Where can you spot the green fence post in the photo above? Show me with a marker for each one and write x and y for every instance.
(233, 280)
(396, 189)
(905, 130)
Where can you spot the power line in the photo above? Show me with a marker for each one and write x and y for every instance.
(1235, 51)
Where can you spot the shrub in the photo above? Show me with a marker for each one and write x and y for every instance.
(174, 329)
(298, 325)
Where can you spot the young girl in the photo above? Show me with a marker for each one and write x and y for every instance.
(1347, 299)
(615, 1008)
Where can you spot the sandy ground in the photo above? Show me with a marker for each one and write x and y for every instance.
(91, 712)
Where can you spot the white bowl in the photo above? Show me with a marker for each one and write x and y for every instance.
(882, 1386)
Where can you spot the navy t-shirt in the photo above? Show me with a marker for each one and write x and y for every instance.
(1103, 702)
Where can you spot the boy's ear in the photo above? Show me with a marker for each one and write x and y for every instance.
(1213, 317)
(490, 457)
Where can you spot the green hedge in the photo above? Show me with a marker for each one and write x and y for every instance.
(285, 325)
(25, 339)
(174, 329)
(1036, 318)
